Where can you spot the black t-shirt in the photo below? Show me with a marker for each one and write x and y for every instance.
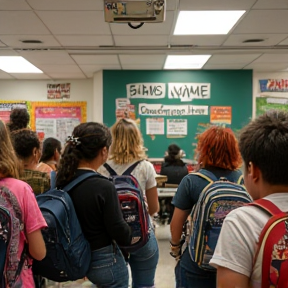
(97, 207)
(174, 173)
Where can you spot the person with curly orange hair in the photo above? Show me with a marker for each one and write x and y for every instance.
(218, 152)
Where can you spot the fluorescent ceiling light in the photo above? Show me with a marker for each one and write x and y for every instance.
(206, 22)
(185, 61)
(17, 64)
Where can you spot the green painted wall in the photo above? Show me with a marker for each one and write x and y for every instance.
(228, 88)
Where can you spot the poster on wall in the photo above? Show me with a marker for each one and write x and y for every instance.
(176, 128)
(57, 119)
(155, 126)
(7, 106)
(124, 109)
(58, 91)
(264, 104)
(221, 114)
(273, 85)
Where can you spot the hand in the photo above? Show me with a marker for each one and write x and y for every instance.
(176, 251)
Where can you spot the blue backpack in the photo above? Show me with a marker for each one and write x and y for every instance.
(68, 252)
(11, 228)
(216, 200)
(132, 205)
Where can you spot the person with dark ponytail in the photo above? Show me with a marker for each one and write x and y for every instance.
(96, 203)
(19, 119)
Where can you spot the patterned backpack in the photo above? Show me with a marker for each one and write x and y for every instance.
(11, 228)
(216, 200)
(132, 205)
(273, 246)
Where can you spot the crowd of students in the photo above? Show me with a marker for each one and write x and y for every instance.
(262, 145)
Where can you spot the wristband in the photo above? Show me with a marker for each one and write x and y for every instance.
(175, 245)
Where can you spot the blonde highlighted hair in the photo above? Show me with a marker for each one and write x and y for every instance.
(9, 163)
(127, 142)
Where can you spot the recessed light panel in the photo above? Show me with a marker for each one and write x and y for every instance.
(206, 22)
(17, 64)
(185, 61)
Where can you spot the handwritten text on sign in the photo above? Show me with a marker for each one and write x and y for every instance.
(171, 110)
(188, 91)
(146, 90)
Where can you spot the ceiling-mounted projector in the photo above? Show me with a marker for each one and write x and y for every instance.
(140, 11)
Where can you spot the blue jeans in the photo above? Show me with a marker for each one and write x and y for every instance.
(108, 268)
(143, 263)
(189, 275)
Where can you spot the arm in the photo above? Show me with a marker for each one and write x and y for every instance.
(37, 248)
(176, 225)
(152, 200)
(227, 278)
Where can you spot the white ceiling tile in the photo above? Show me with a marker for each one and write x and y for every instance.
(56, 5)
(8, 52)
(205, 40)
(271, 4)
(47, 57)
(284, 42)
(171, 4)
(89, 70)
(144, 40)
(15, 41)
(267, 66)
(84, 40)
(142, 59)
(96, 59)
(232, 59)
(272, 58)
(4, 75)
(269, 39)
(1, 43)
(60, 68)
(75, 22)
(142, 67)
(264, 21)
(163, 28)
(14, 5)
(224, 66)
(56, 75)
(21, 22)
(215, 5)
(31, 76)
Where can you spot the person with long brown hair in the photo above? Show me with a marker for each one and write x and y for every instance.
(127, 149)
(218, 152)
(18, 196)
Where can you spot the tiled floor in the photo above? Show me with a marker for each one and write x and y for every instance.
(165, 269)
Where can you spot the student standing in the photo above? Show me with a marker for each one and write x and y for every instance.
(263, 145)
(218, 153)
(126, 149)
(23, 197)
(96, 204)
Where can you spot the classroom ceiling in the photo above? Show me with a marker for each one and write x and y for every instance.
(77, 42)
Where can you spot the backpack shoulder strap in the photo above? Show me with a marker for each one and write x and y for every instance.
(267, 206)
(240, 180)
(78, 180)
(207, 175)
(110, 169)
(53, 179)
(131, 168)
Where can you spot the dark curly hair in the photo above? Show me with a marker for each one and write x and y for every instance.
(19, 119)
(173, 155)
(49, 146)
(24, 141)
(91, 138)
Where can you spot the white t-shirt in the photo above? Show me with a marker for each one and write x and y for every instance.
(237, 243)
(144, 172)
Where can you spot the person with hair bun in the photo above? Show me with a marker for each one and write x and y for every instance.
(28, 149)
(173, 166)
(96, 203)
(218, 152)
(126, 149)
(19, 119)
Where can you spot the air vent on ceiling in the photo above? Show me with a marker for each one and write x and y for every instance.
(253, 40)
(31, 41)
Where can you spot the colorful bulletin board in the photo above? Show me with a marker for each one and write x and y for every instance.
(57, 119)
(175, 105)
(7, 106)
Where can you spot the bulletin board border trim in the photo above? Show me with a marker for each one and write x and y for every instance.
(35, 105)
